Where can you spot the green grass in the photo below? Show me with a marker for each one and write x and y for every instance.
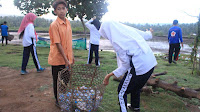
(165, 101)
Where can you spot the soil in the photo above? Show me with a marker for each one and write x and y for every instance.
(32, 92)
(26, 93)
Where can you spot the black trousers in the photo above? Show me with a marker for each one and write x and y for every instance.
(6, 37)
(55, 70)
(26, 55)
(132, 83)
(172, 48)
(93, 48)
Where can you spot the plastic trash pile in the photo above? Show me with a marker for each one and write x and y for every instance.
(80, 99)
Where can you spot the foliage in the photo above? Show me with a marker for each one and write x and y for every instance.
(88, 8)
(39, 7)
(43, 24)
(162, 30)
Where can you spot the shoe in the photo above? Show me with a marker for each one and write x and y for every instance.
(174, 61)
(57, 104)
(40, 70)
(24, 72)
(133, 109)
(97, 66)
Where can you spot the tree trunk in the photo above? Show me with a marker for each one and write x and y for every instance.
(84, 32)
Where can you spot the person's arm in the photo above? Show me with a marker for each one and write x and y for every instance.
(31, 31)
(169, 35)
(180, 36)
(63, 54)
(88, 24)
(125, 65)
(147, 35)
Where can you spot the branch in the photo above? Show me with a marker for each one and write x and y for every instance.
(189, 14)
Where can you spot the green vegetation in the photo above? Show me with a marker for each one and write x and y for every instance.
(165, 101)
(42, 24)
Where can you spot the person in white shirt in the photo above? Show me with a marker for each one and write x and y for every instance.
(27, 32)
(93, 25)
(137, 60)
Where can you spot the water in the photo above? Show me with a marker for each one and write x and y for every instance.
(158, 45)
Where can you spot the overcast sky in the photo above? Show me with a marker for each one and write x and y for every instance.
(135, 11)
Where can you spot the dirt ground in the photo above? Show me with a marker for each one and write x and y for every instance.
(32, 92)
(28, 93)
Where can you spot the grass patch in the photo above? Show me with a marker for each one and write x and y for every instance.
(11, 56)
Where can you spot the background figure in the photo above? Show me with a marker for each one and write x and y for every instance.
(174, 35)
(61, 52)
(93, 25)
(4, 32)
(27, 32)
(137, 60)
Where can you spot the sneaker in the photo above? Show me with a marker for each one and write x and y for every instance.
(24, 72)
(57, 104)
(133, 109)
(174, 61)
(97, 66)
(40, 70)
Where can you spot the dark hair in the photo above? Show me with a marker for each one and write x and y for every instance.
(21, 34)
(96, 23)
(5, 22)
(175, 22)
(57, 2)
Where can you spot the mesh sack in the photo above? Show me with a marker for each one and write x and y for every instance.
(80, 88)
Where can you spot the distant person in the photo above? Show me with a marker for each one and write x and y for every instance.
(27, 32)
(93, 25)
(61, 52)
(174, 39)
(4, 32)
(137, 60)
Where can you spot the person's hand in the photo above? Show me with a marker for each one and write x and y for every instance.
(106, 80)
(151, 30)
(94, 18)
(182, 45)
(67, 65)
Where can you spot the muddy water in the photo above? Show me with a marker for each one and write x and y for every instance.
(157, 44)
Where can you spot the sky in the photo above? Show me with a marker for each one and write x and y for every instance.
(135, 11)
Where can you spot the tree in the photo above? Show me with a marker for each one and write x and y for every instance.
(39, 7)
(86, 9)
(83, 9)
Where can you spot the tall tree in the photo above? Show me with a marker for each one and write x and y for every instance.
(38, 7)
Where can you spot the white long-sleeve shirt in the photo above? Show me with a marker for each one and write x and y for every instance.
(129, 42)
(29, 34)
(94, 33)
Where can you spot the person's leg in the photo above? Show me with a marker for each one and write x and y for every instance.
(135, 99)
(55, 70)
(26, 54)
(90, 54)
(122, 94)
(2, 40)
(177, 50)
(171, 50)
(6, 40)
(35, 57)
(96, 51)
